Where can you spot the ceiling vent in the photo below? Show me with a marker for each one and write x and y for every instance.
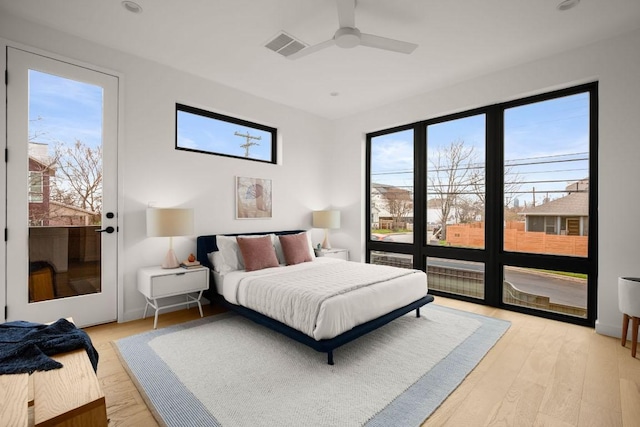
(284, 44)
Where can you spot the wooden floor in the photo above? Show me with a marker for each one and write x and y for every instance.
(541, 373)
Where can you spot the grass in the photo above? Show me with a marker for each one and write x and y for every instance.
(564, 273)
(388, 231)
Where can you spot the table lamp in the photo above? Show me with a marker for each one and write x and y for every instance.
(169, 222)
(326, 220)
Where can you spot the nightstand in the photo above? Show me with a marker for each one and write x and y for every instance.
(156, 282)
(333, 253)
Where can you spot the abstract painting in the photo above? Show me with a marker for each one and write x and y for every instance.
(253, 198)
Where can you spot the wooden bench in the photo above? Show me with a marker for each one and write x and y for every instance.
(70, 396)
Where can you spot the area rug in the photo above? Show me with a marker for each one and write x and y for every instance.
(225, 370)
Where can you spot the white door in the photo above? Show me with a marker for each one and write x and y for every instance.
(61, 191)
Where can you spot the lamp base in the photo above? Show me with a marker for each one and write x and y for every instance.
(170, 260)
(325, 243)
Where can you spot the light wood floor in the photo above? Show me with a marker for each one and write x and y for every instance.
(541, 373)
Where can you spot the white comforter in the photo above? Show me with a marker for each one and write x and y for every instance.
(326, 297)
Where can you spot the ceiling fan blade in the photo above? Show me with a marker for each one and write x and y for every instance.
(346, 13)
(370, 40)
(312, 49)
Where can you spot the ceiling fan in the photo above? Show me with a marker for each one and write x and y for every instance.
(349, 36)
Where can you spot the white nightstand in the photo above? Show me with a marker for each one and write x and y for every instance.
(333, 253)
(157, 282)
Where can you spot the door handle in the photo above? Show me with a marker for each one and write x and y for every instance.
(107, 230)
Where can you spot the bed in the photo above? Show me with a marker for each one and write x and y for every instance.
(320, 302)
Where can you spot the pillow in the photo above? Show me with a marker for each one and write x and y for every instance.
(312, 252)
(295, 248)
(231, 255)
(280, 253)
(257, 253)
(217, 260)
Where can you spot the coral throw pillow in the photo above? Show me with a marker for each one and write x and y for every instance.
(295, 248)
(257, 253)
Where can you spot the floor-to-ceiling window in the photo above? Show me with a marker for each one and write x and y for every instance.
(497, 205)
(455, 201)
(391, 206)
(546, 202)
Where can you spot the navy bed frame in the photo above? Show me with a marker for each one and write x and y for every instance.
(207, 244)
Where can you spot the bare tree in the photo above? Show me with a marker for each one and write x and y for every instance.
(399, 204)
(512, 184)
(468, 209)
(450, 175)
(79, 176)
(73, 174)
(34, 132)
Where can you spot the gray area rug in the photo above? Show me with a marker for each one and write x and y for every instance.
(225, 370)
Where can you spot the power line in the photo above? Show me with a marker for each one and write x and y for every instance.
(550, 156)
(546, 181)
(548, 162)
(512, 172)
(525, 162)
(557, 171)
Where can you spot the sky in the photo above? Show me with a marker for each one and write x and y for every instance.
(546, 147)
(64, 110)
(207, 134)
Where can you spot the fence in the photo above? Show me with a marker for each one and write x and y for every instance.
(518, 240)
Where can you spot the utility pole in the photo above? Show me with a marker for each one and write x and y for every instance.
(249, 143)
(534, 196)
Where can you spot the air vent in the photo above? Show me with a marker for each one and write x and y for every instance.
(284, 44)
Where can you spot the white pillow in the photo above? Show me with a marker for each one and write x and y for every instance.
(217, 260)
(312, 252)
(280, 253)
(230, 252)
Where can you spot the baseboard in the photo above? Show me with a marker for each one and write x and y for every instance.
(609, 330)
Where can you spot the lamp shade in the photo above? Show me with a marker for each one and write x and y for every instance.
(326, 219)
(169, 222)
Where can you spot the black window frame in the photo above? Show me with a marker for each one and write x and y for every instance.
(216, 116)
(493, 256)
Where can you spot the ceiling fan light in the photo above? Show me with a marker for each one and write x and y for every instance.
(347, 37)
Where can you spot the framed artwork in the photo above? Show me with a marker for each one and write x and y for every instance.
(212, 133)
(253, 198)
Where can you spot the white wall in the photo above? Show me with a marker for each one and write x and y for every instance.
(152, 170)
(615, 63)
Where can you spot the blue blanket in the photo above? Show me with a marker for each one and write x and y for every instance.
(25, 347)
